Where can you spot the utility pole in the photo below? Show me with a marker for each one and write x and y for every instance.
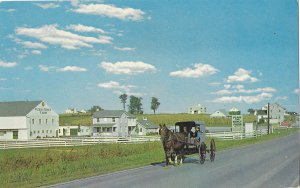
(268, 118)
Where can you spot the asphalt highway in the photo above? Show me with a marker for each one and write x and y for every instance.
(271, 164)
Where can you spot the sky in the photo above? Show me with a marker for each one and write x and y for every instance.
(220, 54)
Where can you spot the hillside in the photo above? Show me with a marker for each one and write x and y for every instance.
(168, 119)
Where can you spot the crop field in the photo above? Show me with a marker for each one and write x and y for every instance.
(44, 166)
(168, 119)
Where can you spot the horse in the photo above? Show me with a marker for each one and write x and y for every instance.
(173, 144)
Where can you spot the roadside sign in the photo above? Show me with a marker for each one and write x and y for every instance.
(237, 123)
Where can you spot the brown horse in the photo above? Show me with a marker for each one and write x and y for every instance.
(173, 144)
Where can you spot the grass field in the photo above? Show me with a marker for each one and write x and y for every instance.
(168, 119)
(44, 166)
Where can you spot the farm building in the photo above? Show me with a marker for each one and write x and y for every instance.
(74, 130)
(197, 109)
(25, 120)
(276, 114)
(144, 127)
(219, 114)
(113, 123)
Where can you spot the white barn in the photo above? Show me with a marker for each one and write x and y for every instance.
(113, 123)
(197, 109)
(219, 114)
(25, 120)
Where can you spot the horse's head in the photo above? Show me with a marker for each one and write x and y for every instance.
(163, 131)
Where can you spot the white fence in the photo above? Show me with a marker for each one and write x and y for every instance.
(74, 141)
(237, 135)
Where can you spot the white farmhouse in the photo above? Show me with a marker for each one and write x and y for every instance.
(197, 109)
(276, 113)
(113, 123)
(219, 114)
(234, 111)
(25, 120)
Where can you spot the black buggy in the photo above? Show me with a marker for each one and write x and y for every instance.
(192, 145)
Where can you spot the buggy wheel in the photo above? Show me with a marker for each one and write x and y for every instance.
(212, 150)
(202, 152)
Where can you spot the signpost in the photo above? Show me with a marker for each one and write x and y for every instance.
(237, 123)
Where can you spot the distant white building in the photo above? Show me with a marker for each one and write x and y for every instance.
(113, 123)
(25, 120)
(219, 114)
(197, 109)
(71, 111)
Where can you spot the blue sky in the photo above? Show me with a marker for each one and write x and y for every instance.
(220, 54)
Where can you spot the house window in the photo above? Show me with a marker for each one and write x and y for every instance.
(52, 121)
(141, 129)
(47, 131)
(15, 134)
(50, 131)
(42, 131)
(58, 130)
(114, 129)
(33, 132)
(98, 120)
(32, 121)
(113, 119)
(46, 121)
(38, 132)
(109, 129)
(40, 121)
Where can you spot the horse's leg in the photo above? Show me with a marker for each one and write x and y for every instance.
(175, 159)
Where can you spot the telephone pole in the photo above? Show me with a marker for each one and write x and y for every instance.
(268, 118)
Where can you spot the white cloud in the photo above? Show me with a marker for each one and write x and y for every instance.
(246, 99)
(7, 64)
(116, 86)
(28, 44)
(241, 75)
(296, 91)
(228, 89)
(28, 68)
(84, 28)
(110, 11)
(127, 67)
(3, 79)
(124, 49)
(199, 70)
(36, 52)
(71, 69)
(284, 98)
(49, 5)
(214, 83)
(52, 35)
(45, 68)
(8, 10)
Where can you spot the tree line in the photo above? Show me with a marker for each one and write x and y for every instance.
(135, 104)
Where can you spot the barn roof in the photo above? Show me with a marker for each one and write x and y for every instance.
(111, 113)
(17, 108)
(147, 124)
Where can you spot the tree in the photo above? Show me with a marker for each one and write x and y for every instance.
(154, 104)
(251, 111)
(95, 108)
(135, 105)
(123, 98)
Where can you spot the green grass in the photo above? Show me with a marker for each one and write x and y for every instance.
(44, 166)
(168, 119)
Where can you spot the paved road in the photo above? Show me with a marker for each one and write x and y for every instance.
(271, 164)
